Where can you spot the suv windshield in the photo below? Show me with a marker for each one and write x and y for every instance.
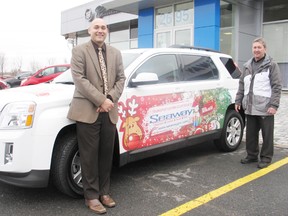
(65, 78)
(128, 58)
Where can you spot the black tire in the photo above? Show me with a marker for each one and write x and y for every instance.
(232, 132)
(66, 170)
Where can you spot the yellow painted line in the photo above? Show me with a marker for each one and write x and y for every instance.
(184, 208)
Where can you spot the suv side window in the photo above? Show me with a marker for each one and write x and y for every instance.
(165, 66)
(231, 67)
(199, 68)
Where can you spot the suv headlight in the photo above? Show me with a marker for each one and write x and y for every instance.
(17, 115)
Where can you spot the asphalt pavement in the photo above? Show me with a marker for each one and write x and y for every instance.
(155, 185)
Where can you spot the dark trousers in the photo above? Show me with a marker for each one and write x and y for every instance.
(254, 125)
(96, 144)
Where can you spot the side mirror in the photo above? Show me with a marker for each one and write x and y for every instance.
(145, 78)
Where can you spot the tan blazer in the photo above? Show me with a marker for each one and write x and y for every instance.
(88, 95)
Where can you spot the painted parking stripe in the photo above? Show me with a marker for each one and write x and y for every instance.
(186, 207)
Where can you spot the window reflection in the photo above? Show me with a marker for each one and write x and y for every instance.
(164, 17)
(165, 66)
(276, 36)
(227, 28)
(275, 10)
(184, 14)
(199, 68)
(122, 35)
(182, 37)
(163, 39)
(167, 18)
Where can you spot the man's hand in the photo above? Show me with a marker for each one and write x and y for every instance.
(106, 106)
(271, 111)
(237, 107)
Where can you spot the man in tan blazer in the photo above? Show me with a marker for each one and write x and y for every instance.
(98, 87)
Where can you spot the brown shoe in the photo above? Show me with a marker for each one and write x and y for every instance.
(95, 205)
(107, 201)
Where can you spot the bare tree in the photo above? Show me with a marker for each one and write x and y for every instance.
(18, 63)
(34, 65)
(14, 72)
(2, 63)
(65, 61)
(16, 66)
(51, 61)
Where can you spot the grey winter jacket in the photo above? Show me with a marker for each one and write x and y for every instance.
(261, 89)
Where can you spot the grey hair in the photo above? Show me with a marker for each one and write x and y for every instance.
(260, 40)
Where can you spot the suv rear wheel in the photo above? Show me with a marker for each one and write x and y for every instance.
(232, 132)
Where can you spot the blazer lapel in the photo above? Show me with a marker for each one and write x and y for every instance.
(94, 57)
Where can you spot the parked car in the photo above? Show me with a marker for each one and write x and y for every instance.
(16, 81)
(3, 85)
(45, 74)
(5, 77)
(173, 98)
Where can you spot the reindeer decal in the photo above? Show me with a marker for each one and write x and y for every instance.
(132, 131)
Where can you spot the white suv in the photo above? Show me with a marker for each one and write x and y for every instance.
(173, 98)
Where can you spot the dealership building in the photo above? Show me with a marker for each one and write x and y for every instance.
(229, 26)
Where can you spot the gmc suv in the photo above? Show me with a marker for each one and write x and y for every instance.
(173, 98)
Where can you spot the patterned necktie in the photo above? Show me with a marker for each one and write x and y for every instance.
(103, 70)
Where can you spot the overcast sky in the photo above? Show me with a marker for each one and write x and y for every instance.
(31, 30)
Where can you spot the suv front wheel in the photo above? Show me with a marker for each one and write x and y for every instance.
(232, 132)
(66, 169)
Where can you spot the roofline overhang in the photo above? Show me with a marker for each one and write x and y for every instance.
(133, 6)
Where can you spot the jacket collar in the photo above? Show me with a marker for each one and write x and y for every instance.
(265, 63)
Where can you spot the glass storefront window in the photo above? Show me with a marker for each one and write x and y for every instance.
(133, 29)
(276, 36)
(163, 39)
(167, 18)
(121, 45)
(275, 32)
(183, 14)
(122, 35)
(164, 17)
(275, 10)
(183, 37)
(81, 40)
(226, 40)
(133, 33)
(227, 28)
(226, 14)
(134, 44)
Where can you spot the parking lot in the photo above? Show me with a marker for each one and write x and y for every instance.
(198, 181)
(157, 185)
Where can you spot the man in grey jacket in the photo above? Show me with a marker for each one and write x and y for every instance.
(259, 95)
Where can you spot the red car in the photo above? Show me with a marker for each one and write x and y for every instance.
(46, 74)
(3, 85)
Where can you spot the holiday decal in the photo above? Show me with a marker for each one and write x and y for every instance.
(151, 120)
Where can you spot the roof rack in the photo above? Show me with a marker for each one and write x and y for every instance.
(192, 47)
